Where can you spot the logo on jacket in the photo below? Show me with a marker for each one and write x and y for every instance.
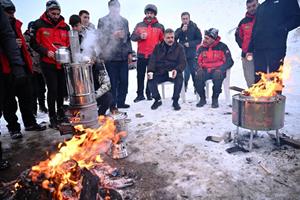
(46, 33)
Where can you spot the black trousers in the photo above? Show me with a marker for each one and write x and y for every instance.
(267, 59)
(23, 91)
(189, 70)
(141, 71)
(104, 103)
(157, 79)
(56, 85)
(39, 89)
(118, 74)
(217, 84)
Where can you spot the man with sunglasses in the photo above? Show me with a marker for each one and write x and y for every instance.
(51, 32)
(147, 34)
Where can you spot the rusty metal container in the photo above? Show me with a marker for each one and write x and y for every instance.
(258, 114)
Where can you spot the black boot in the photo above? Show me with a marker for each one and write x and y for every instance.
(53, 123)
(202, 102)
(215, 103)
(156, 104)
(176, 105)
(139, 98)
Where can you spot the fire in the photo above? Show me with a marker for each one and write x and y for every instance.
(269, 84)
(81, 151)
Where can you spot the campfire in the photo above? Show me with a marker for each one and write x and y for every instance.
(78, 164)
(261, 107)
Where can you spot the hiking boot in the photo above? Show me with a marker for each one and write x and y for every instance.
(139, 98)
(15, 134)
(201, 103)
(43, 109)
(156, 104)
(36, 127)
(124, 105)
(176, 105)
(215, 103)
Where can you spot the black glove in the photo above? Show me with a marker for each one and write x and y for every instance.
(218, 74)
(200, 74)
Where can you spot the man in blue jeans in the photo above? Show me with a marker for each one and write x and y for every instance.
(166, 64)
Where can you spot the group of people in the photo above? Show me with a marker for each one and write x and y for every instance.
(28, 64)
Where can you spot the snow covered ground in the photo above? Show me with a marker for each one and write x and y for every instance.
(197, 169)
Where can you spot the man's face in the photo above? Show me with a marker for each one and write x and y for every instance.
(54, 14)
(85, 19)
(208, 40)
(77, 27)
(114, 10)
(169, 38)
(251, 7)
(150, 14)
(185, 19)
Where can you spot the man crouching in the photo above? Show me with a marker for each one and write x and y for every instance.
(166, 64)
(213, 58)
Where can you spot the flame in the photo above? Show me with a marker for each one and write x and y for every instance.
(81, 151)
(270, 84)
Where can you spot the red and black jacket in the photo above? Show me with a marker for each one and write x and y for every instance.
(48, 36)
(155, 34)
(243, 32)
(6, 68)
(215, 56)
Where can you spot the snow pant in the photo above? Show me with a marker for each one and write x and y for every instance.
(141, 71)
(104, 103)
(157, 79)
(248, 68)
(39, 89)
(189, 71)
(267, 60)
(217, 83)
(118, 74)
(56, 85)
(23, 91)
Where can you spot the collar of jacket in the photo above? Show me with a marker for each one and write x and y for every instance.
(249, 15)
(191, 24)
(153, 21)
(171, 48)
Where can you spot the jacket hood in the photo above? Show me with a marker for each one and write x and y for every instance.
(153, 21)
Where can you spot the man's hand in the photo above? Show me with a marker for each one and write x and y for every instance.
(186, 44)
(174, 74)
(120, 34)
(144, 35)
(51, 54)
(19, 42)
(249, 56)
(184, 27)
(129, 58)
(150, 75)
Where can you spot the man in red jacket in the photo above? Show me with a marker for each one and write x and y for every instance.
(147, 33)
(243, 36)
(13, 86)
(214, 59)
(51, 32)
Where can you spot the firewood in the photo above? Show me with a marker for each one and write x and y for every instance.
(89, 186)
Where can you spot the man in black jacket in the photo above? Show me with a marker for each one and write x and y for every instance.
(166, 64)
(116, 51)
(190, 37)
(274, 20)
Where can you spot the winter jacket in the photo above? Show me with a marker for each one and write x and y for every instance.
(215, 56)
(274, 19)
(114, 49)
(166, 58)
(48, 36)
(6, 67)
(193, 36)
(34, 55)
(243, 32)
(101, 80)
(8, 45)
(155, 34)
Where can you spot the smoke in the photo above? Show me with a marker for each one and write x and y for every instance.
(90, 44)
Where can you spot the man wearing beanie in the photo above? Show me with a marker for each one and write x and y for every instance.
(116, 52)
(51, 32)
(16, 81)
(147, 34)
(213, 59)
